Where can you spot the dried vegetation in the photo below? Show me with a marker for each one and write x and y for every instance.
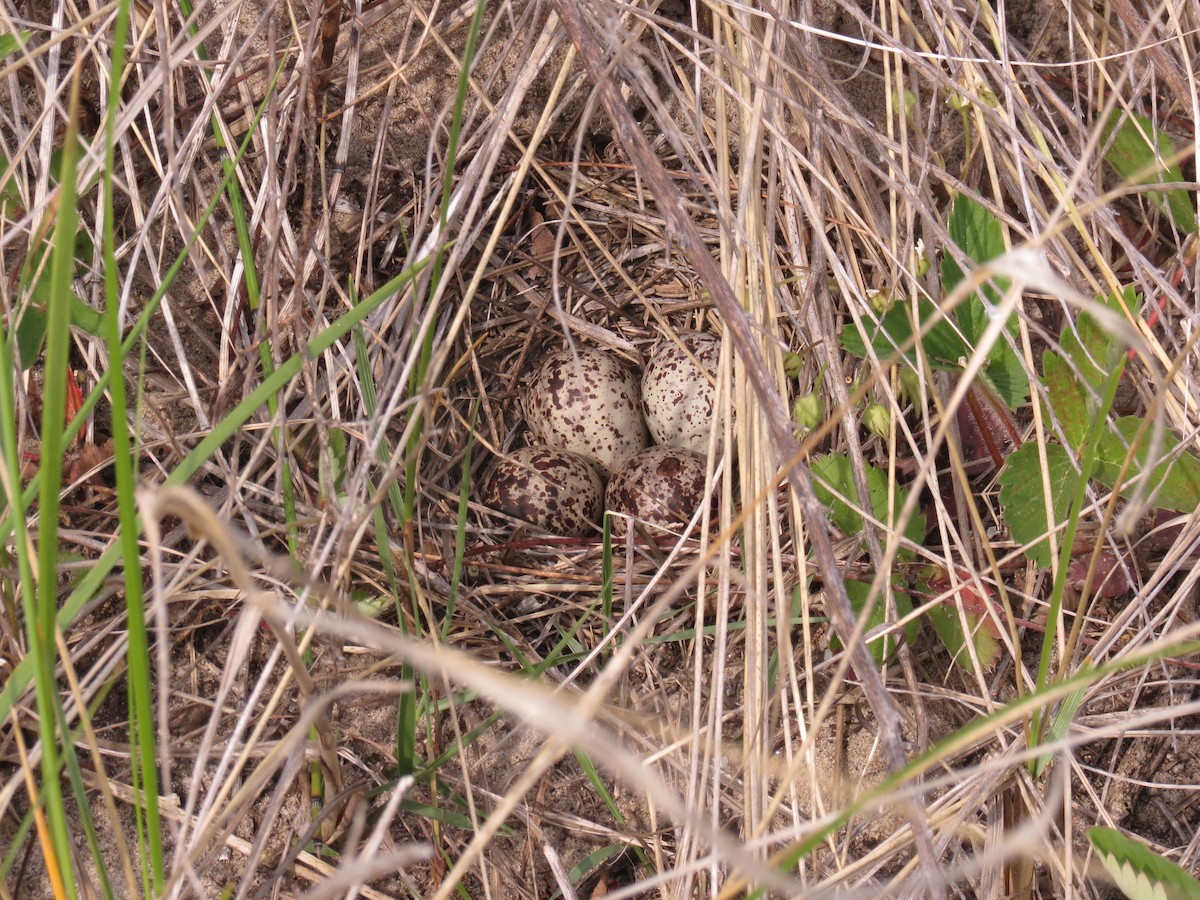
(338, 258)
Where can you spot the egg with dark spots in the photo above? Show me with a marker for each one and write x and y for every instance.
(556, 491)
(588, 403)
(679, 393)
(662, 486)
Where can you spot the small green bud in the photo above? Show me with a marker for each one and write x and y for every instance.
(921, 261)
(880, 302)
(877, 419)
(809, 410)
(905, 100)
(976, 91)
(793, 364)
(910, 384)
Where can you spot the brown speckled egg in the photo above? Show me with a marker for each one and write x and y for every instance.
(661, 486)
(556, 491)
(679, 398)
(587, 403)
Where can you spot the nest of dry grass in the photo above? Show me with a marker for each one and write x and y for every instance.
(482, 708)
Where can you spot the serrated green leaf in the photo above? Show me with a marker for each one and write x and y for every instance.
(1174, 483)
(944, 347)
(980, 236)
(1066, 397)
(1005, 374)
(1023, 500)
(833, 475)
(1092, 347)
(1138, 871)
(1138, 153)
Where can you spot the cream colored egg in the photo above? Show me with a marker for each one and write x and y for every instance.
(679, 394)
(587, 403)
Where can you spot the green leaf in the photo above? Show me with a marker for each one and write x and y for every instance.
(833, 474)
(981, 628)
(1066, 398)
(950, 339)
(1023, 501)
(10, 195)
(949, 627)
(10, 43)
(943, 345)
(593, 861)
(1005, 374)
(881, 648)
(30, 330)
(35, 279)
(1174, 483)
(1138, 152)
(85, 317)
(1138, 871)
(979, 234)
(1092, 347)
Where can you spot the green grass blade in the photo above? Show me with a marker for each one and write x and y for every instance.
(17, 844)
(18, 502)
(142, 735)
(450, 167)
(460, 529)
(83, 810)
(41, 624)
(93, 580)
(1062, 722)
(8, 525)
(406, 704)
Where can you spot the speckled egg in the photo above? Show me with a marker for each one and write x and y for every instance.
(661, 486)
(679, 397)
(587, 403)
(554, 490)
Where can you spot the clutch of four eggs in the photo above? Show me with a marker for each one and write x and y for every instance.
(588, 416)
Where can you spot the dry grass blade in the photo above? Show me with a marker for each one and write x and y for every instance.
(778, 422)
